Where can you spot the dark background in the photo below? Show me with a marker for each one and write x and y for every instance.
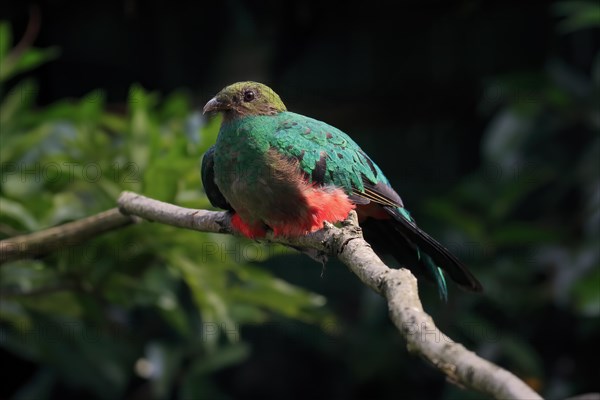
(484, 116)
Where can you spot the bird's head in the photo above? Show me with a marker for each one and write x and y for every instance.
(245, 98)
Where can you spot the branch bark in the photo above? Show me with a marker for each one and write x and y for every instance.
(397, 286)
(48, 240)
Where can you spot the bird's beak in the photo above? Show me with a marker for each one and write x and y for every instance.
(214, 105)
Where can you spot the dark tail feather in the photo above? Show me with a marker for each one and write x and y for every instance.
(384, 239)
(438, 274)
(440, 256)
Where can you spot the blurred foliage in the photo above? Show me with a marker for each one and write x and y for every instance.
(156, 312)
(578, 15)
(529, 217)
(150, 300)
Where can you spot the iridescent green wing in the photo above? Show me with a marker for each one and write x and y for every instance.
(330, 157)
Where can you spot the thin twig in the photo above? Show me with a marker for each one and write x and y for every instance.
(31, 33)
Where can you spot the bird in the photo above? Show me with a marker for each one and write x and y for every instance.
(287, 173)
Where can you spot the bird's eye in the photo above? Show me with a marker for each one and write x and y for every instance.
(249, 95)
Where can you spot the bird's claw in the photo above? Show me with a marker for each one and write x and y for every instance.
(351, 220)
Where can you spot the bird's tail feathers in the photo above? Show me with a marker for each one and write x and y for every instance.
(434, 255)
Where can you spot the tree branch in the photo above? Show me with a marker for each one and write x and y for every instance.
(397, 286)
(43, 242)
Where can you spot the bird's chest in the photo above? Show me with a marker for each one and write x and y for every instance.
(257, 182)
(239, 166)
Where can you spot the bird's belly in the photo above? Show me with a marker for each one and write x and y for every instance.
(261, 189)
(265, 200)
(273, 191)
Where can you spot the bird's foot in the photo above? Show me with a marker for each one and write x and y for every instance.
(351, 220)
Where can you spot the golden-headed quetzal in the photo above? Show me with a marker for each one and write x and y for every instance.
(281, 171)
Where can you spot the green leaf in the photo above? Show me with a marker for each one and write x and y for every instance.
(26, 275)
(56, 304)
(579, 15)
(226, 356)
(19, 98)
(12, 210)
(160, 182)
(91, 107)
(143, 131)
(162, 177)
(66, 207)
(14, 315)
(586, 293)
(175, 106)
(5, 39)
(263, 289)
(29, 59)
(205, 285)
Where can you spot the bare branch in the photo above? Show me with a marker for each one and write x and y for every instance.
(40, 243)
(398, 286)
(153, 210)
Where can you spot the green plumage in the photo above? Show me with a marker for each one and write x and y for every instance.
(302, 138)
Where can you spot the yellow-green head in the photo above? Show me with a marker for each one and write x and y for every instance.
(246, 98)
